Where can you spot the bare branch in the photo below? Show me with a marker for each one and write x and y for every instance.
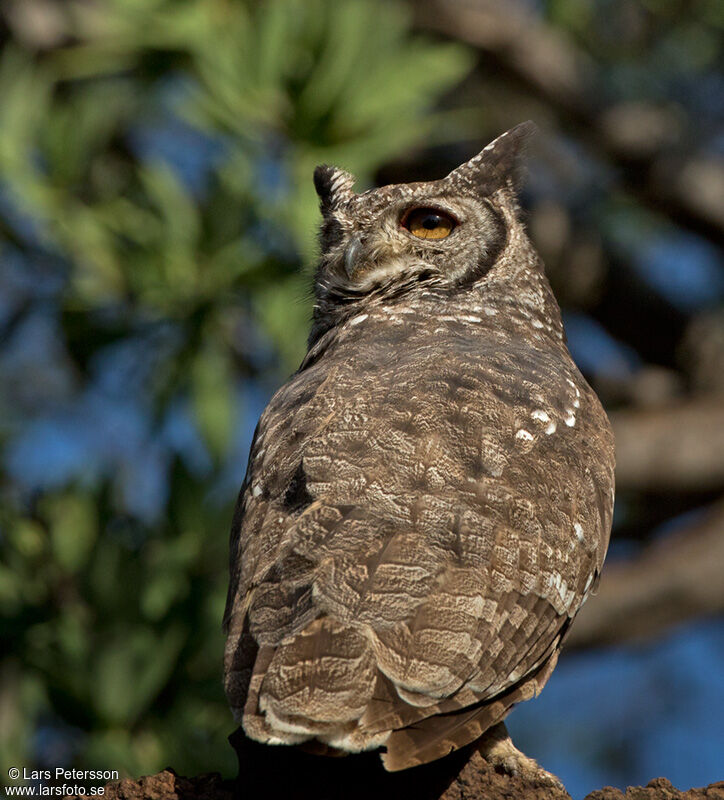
(680, 447)
(673, 580)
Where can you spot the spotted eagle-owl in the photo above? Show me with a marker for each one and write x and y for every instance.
(428, 499)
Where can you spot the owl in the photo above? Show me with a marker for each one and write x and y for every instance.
(428, 499)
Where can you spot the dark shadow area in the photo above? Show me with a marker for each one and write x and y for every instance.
(266, 771)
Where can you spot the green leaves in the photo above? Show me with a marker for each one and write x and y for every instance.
(285, 315)
(73, 530)
(130, 670)
(212, 393)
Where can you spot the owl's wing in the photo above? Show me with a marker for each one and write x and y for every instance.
(438, 735)
(420, 735)
(534, 641)
(497, 663)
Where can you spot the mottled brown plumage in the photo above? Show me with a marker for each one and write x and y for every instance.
(429, 498)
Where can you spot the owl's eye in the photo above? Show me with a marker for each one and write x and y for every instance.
(428, 223)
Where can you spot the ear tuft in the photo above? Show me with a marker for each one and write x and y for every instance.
(501, 163)
(333, 185)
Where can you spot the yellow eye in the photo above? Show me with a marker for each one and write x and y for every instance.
(428, 223)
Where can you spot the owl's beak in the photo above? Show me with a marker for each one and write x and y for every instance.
(351, 255)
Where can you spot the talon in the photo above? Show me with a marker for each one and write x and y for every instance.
(497, 748)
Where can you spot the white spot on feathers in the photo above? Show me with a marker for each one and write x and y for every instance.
(566, 596)
(525, 435)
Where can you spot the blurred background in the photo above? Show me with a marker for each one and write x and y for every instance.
(157, 231)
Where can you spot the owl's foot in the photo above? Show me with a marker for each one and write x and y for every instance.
(497, 749)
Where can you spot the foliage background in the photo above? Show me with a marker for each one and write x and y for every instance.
(156, 206)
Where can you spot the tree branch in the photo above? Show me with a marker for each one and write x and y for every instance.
(678, 447)
(673, 580)
(475, 781)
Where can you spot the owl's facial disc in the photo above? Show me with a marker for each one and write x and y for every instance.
(452, 229)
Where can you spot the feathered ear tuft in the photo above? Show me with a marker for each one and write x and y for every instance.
(501, 163)
(333, 185)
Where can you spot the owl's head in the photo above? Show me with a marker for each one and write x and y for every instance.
(452, 230)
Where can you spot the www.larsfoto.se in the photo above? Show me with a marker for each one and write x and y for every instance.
(54, 791)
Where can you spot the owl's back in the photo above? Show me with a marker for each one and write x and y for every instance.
(425, 510)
